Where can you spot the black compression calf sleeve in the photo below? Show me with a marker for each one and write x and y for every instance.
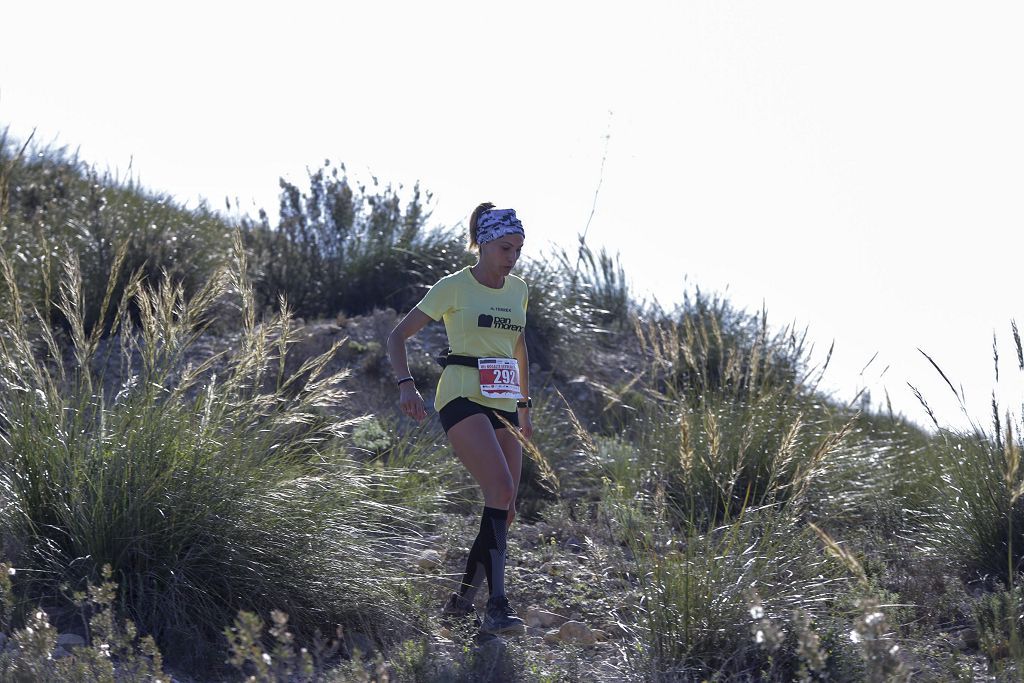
(499, 527)
(487, 556)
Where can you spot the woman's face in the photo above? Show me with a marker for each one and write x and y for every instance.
(500, 255)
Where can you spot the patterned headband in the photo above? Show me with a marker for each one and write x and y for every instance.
(495, 223)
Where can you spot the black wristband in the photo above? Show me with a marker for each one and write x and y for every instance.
(406, 379)
(528, 403)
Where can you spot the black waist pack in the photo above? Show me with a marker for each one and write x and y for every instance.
(446, 358)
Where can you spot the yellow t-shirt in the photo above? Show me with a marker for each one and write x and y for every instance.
(480, 321)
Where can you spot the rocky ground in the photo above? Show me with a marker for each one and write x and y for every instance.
(561, 580)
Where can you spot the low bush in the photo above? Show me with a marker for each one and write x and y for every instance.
(721, 417)
(712, 602)
(110, 650)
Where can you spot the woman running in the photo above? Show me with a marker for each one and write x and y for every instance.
(487, 375)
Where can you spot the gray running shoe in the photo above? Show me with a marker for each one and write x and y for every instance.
(499, 617)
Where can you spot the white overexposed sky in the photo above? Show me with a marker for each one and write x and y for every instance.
(855, 167)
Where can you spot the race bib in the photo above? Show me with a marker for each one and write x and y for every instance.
(499, 377)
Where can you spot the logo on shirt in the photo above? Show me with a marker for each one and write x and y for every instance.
(497, 323)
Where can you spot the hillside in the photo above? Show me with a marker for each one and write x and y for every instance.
(691, 508)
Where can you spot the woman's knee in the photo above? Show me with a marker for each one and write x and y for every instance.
(502, 491)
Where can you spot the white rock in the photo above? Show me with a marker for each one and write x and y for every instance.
(428, 559)
(576, 632)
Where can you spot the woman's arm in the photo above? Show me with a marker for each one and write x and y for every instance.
(523, 358)
(410, 400)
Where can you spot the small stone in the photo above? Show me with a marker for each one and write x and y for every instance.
(969, 639)
(601, 635)
(553, 637)
(428, 560)
(59, 653)
(539, 617)
(70, 640)
(576, 632)
(445, 633)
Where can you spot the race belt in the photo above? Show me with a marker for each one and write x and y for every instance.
(499, 377)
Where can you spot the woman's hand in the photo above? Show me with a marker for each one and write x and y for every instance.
(511, 512)
(411, 402)
(525, 424)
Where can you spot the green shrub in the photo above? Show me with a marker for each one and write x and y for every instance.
(206, 491)
(976, 513)
(345, 249)
(110, 651)
(997, 617)
(976, 510)
(722, 415)
(706, 596)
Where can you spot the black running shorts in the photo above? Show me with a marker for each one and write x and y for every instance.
(458, 409)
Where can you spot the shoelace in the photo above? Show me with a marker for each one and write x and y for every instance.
(506, 608)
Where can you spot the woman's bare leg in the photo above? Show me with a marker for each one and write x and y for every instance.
(513, 453)
(477, 447)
